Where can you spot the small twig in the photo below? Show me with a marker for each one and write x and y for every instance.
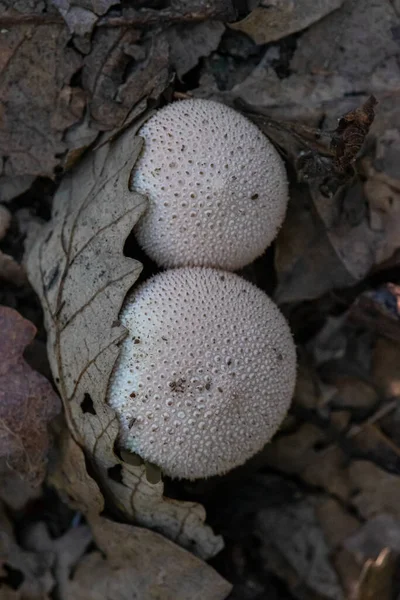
(140, 19)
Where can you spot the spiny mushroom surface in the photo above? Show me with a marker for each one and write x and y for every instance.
(216, 186)
(206, 373)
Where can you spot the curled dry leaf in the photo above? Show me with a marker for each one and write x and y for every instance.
(79, 271)
(137, 563)
(273, 19)
(27, 401)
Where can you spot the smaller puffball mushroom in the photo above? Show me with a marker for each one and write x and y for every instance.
(206, 373)
(216, 186)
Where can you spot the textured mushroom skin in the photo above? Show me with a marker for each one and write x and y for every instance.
(206, 373)
(217, 188)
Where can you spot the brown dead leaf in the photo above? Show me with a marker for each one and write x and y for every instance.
(297, 453)
(336, 522)
(145, 564)
(275, 19)
(349, 136)
(189, 43)
(374, 491)
(78, 269)
(116, 52)
(27, 401)
(293, 532)
(37, 105)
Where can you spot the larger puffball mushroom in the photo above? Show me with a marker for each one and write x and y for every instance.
(216, 186)
(206, 374)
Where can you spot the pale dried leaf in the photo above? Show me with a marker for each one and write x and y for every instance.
(79, 271)
(275, 19)
(142, 564)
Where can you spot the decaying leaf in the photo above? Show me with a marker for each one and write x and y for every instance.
(349, 136)
(27, 401)
(292, 533)
(191, 42)
(115, 53)
(37, 106)
(78, 269)
(138, 563)
(33, 571)
(275, 19)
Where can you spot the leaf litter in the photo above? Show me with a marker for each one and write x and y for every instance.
(315, 514)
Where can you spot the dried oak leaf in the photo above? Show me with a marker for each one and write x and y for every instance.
(78, 269)
(37, 105)
(273, 19)
(120, 71)
(137, 563)
(27, 401)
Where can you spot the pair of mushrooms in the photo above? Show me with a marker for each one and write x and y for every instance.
(207, 371)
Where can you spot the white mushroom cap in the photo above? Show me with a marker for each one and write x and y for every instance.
(206, 374)
(217, 188)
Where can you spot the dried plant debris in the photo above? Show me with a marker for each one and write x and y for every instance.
(78, 269)
(273, 20)
(27, 402)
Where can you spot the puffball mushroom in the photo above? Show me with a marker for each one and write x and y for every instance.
(216, 186)
(206, 374)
